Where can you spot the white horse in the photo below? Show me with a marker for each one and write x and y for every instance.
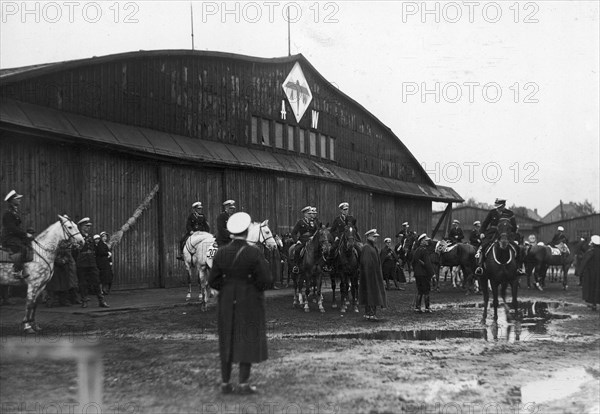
(39, 271)
(200, 249)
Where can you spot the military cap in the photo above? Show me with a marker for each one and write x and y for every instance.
(405, 224)
(197, 204)
(595, 240)
(560, 228)
(372, 232)
(422, 237)
(102, 233)
(344, 205)
(12, 195)
(499, 202)
(455, 222)
(387, 239)
(84, 222)
(96, 237)
(229, 203)
(306, 209)
(238, 223)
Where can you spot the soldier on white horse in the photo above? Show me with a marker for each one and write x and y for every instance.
(14, 238)
(196, 221)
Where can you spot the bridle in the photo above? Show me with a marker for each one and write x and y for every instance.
(67, 234)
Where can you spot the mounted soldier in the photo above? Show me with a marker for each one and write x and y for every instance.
(489, 232)
(559, 237)
(196, 221)
(314, 218)
(455, 235)
(14, 238)
(304, 229)
(340, 223)
(222, 237)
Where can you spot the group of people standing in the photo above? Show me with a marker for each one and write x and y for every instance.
(78, 271)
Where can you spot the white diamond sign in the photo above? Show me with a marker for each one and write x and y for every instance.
(297, 91)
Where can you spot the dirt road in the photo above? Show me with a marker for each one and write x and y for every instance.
(166, 360)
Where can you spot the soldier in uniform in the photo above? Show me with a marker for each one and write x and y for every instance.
(559, 237)
(222, 237)
(314, 218)
(302, 231)
(88, 274)
(404, 231)
(196, 221)
(240, 273)
(475, 237)
(14, 238)
(489, 229)
(340, 223)
(456, 234)
(424, 272)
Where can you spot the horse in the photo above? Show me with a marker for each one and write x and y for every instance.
(500, 270)
(317, 249)
(39, 271)
(461, 255)
(346, 265)
(544, 256)
(200, 249)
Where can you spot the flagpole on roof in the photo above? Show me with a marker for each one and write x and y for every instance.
(192, 21)
(289, 37)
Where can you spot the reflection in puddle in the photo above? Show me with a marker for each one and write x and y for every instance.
(532, 324)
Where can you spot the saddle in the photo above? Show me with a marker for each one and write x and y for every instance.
(555, 251)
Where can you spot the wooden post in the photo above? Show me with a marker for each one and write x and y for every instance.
(87, 353)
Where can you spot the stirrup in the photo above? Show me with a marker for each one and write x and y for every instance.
(295, 270)
(19, 274)
(479, 271)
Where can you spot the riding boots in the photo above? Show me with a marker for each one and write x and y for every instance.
(427, 304)
(418, 299)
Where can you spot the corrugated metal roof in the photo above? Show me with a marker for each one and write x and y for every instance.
(183, 148)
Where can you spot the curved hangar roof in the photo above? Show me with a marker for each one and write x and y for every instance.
(24, 117)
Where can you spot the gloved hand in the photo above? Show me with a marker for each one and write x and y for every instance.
(482, 236)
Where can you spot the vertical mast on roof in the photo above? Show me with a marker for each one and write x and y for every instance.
(192, 21)
(288, 22)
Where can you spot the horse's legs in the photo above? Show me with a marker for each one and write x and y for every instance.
(565, 271)
(486, 297)
(332, 277)
(319, 293)
(495, 300)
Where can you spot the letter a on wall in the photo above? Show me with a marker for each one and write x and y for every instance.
(297, 91)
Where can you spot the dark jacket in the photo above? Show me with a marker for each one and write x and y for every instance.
(12, 233)
(196, 222)
(222, 236)
(388, 260)
(104, 261)
(456, 235)
(65, 272)
(475, 238)
(558, 238)
(86, 255)
(490, 224)
(339, 225)
(241, 304)
(589, 270)
(303, 230)
(371, 290)
(422, 263)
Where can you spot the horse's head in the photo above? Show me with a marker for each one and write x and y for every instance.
(504, 229)
(325, 239)
(70, 231)
(261, 233)
(349, 237)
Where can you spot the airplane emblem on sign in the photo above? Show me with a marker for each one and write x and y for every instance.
(297, 91)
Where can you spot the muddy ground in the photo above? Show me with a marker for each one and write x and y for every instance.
(166, 361)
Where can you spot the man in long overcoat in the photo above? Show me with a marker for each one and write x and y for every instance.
(240, 273)
(371, 290)
(389, 260)
(589, 271)
(423, 272)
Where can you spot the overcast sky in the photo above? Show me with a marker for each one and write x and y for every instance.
(495, 99)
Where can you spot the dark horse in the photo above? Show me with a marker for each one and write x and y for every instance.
(346, 268)
(461, 254)
(544, 256)
(500, 269)
(317, 250)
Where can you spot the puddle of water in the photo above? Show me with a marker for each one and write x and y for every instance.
(532, 324)
(561, 385)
